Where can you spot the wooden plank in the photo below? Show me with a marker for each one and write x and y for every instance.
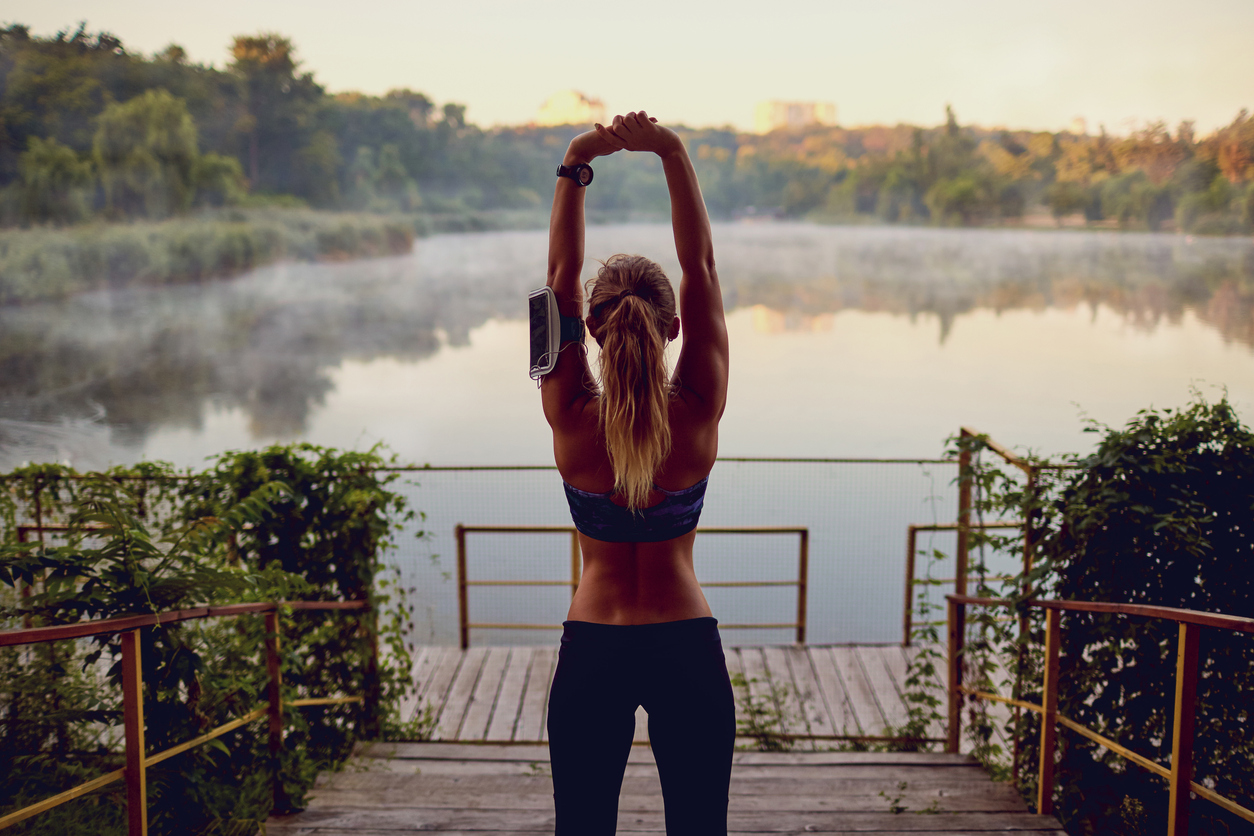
(861, 695)
(795, 721)
(641, 735)
(813, 706)
(862, 799)
(833, 691)
(741, 692)
(759, 679)
(483, 698)
(459, 820)
(418, 672)
(822, 784)
(509, 701)
(458, 699)
(531, 717)
(887, 697)
(436, 690)
(425, 663)
(624, 829)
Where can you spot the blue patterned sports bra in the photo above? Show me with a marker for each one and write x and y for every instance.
(597, 516)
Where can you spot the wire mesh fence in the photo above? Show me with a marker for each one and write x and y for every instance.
(857, 512)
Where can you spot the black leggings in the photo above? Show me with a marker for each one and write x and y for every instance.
(676, 670)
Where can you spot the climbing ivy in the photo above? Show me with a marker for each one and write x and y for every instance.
(1159, 513)
(288, 522)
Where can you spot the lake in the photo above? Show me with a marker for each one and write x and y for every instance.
(864, 342)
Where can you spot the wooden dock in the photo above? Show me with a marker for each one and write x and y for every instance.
(500, 694)
(452, 789)
(487, 770)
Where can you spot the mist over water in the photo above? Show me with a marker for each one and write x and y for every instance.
(846, 341)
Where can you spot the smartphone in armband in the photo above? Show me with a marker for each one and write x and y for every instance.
(549, 330)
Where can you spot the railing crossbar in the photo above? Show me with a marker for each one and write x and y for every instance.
(464, 583)
(1179, 775)
(137, 761)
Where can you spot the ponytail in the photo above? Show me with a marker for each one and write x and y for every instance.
(633, 304)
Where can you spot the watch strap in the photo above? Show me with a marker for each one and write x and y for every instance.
(572, 172)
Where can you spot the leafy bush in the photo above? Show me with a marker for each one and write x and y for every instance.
(1158, 514)
(287, 522)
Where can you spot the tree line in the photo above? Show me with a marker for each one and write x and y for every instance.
(89, 129)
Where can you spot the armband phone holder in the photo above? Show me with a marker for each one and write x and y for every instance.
(549, 330)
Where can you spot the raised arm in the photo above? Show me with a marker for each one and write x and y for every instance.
(702, 367)
(566, 225)
(570, 383)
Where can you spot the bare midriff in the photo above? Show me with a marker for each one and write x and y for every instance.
(638, 583)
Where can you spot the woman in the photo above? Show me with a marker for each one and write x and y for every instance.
(634, 454)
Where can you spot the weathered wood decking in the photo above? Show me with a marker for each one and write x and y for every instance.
(500, 694)
(450, 789)
(488, 771)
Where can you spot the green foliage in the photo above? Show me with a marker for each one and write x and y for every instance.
(54, 182)
(762, 717)
(283, 523)
(146, 152)
(1066, 198)
(290, 137)
(50, 264)
(1157, 514)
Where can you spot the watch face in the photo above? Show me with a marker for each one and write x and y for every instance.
(585, 175)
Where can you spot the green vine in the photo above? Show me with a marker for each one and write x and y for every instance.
(1158, 514)
(294, 522)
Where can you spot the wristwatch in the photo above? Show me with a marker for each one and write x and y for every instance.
(581, 174)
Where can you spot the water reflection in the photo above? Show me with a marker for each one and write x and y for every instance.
(268, 344)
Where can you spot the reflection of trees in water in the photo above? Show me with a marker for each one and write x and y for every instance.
(1146, 279)
(265, 343)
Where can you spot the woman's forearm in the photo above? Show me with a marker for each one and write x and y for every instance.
(694, 243)
(566, 225)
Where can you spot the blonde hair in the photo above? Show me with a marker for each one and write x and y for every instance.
(634, 305)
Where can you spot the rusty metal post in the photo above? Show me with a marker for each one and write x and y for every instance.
(133, 729)
(803, 582)
(1182, 730)
(463, 618)
(274, 695)
(575, 573)
(956, 622)
(1049, 716)
(964, 515)
(907, 615)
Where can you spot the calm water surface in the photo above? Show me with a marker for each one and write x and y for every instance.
(846, 342)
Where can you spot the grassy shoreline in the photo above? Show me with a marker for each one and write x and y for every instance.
(48, 263)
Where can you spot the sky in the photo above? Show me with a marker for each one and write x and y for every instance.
(1115, 63)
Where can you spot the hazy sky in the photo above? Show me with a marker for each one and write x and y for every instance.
(1034, 65)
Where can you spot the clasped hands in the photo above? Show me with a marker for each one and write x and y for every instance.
(636, 131)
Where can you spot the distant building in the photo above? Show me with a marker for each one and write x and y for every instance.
(570, 107)
(772, 115)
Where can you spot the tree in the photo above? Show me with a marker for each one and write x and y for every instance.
(219, 180)
(54, 182)
(281, 105)
(1066, 198)
(145, 150)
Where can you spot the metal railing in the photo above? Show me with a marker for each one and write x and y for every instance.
(137, 758)
(912, 533)
(1179, 775)
(464, 581)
